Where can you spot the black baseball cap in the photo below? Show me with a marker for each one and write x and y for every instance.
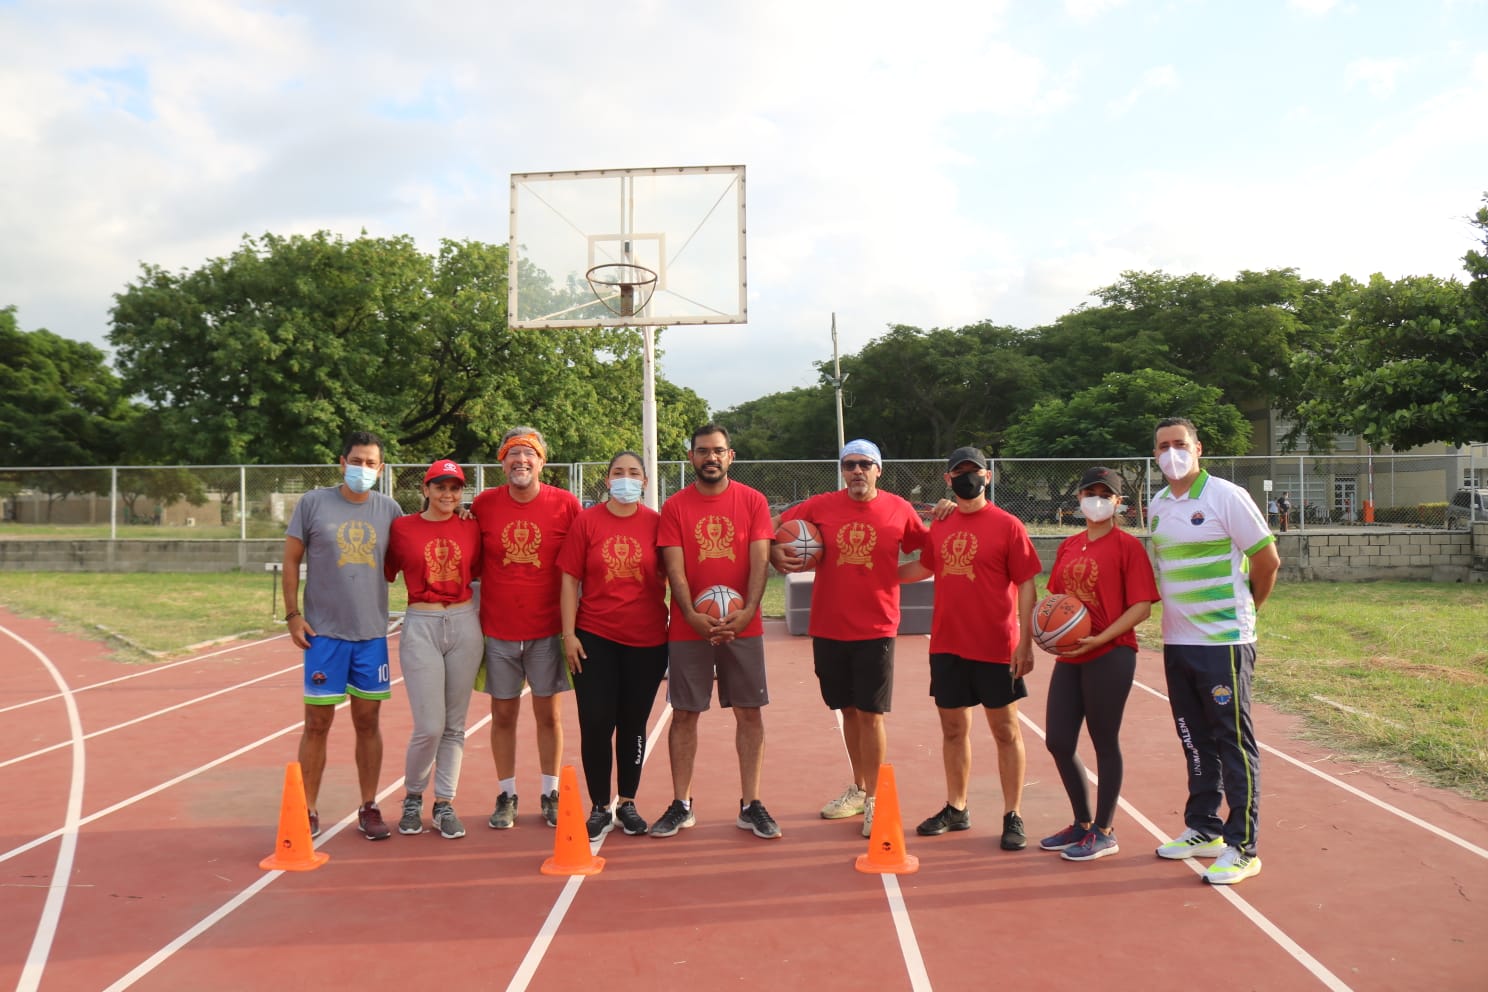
(973, 455)
(1101, 476)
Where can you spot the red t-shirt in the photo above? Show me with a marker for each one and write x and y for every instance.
(438, 559)
(856, 593)
(519, 547)
(622, 584)
(714, 533)
(979, 560)
(1109, 576)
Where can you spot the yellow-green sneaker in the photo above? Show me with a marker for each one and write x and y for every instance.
(1234, 865)
(1191, 844)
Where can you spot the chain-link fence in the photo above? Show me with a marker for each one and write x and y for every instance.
(256, 501)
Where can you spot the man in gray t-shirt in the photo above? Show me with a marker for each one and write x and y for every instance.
(341, 534)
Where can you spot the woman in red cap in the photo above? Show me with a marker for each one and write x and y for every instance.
(441, 648)
(1108, 570)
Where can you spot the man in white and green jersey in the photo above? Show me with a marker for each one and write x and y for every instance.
(1216, 564)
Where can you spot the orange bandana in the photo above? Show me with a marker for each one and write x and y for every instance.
(526, 441)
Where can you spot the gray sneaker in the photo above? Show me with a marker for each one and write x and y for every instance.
(446, 822)
(676, 817)
(413, 814)
(505, 816)
(550, 808)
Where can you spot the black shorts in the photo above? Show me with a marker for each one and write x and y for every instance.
(855, 674)
(958, 682)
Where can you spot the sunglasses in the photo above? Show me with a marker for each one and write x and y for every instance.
(856, 464)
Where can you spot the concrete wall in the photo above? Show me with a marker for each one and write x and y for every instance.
(1354, 554)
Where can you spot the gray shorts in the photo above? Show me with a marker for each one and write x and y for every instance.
(538, 663)
(740, 665)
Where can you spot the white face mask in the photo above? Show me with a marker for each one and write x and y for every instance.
(1176, 463)
(1097, 509)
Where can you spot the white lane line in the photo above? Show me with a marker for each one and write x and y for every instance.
(1278, 936)
(1410, 818)
(51, 913)
(152, 670)
(909, 944)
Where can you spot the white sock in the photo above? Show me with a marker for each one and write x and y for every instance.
(549, 784)
(509, 785)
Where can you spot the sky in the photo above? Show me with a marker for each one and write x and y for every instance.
(935, 164)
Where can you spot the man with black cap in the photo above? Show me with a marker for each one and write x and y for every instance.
(980, 643)
(855, 611)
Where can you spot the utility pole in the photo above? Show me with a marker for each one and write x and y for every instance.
(837, 380)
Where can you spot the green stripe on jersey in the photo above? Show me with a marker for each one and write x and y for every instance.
(1205, 594)
(1198, 571)
(1181, 550)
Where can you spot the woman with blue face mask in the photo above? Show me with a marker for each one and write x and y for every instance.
(613, 606)
(1108, 571)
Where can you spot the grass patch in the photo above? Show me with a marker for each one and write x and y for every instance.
(1391, 671)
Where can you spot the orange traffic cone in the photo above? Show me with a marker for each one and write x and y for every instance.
(295, 851)
(571, 842)
(886, 854)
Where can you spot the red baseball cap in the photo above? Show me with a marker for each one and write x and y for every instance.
(444, 468)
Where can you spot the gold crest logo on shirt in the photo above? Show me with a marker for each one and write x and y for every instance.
(622, 558)
(441, 561)
(355, 540)
(957, 552)
(1080, 578)
(715, 538)
(521, 539)
(855, 543)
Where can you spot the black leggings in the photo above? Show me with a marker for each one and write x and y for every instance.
(615, 692)
(1095, 692)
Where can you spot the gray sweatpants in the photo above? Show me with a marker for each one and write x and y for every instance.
(439, 652)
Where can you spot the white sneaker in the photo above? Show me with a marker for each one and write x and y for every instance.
(1191, 844)
(868, 815)
(850, 803)
(1234, 865)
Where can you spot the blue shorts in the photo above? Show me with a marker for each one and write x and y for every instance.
(334, 668)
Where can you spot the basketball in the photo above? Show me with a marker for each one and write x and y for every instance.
(802, 537)
(1059, 621)
(718, 602)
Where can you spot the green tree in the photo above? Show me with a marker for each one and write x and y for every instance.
(1409, 363)
(60, 403)
(1117, 418)
(798, 423)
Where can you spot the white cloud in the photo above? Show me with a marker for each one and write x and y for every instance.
(1379, 76)
(1157, 78)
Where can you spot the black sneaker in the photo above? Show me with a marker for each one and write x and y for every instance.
(314, 825)
(677, 817)
(1013, 838)
(949, 818)
(550, 808)
(755, 817)
(599, 822)
(630, 820)
(505, 816)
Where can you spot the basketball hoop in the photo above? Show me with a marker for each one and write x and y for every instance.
(622, 287)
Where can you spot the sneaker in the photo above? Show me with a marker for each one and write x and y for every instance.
(949, 818)
(1012, 832)
(868, 816)
(850, 803)
(1234, 865)
(505, 816)
(630, 820)
(447, 822)
(599, 822)
(413, 814)
(1094, 845)
(1068, 837)
(369, 822)
(677, 817)
(755, 817)
(550, 808)
(314, 825)
(1191, 844)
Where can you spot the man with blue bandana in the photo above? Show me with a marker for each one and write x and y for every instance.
(1216, 564)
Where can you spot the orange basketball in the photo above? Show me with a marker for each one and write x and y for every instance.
(1059, 621)
(718, 602)
(802, 537)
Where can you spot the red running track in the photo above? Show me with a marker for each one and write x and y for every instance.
(173, 777)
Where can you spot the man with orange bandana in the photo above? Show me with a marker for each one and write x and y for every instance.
(522, 525)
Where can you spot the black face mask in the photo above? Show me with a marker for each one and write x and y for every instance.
(968, 486)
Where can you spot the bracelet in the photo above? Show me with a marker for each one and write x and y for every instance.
(291, 615)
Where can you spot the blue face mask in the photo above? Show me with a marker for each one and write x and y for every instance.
(626, 490)
(360, 478)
